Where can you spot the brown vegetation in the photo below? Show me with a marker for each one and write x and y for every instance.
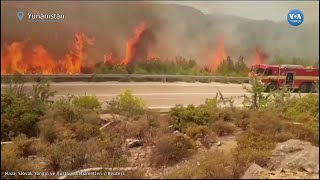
(69, 138)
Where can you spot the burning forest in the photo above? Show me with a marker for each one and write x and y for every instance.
(18, 57)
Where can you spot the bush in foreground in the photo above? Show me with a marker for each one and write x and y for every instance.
(211, 165)
(65, 120)
(15, 157)
(87, 102)
(200, 115)
(128, 105)
(263, 131)
(202, 133)
(21, 110)
(171, 149)
(222, 128)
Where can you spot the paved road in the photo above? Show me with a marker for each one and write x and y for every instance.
(155, 94)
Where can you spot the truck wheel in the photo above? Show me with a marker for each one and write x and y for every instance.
(272, 87)
(305, 88)
(314, 87)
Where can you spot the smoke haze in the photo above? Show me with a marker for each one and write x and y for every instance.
(173, 30)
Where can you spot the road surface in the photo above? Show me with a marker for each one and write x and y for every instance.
(156, 94)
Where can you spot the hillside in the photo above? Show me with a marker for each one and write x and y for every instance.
(175, 30)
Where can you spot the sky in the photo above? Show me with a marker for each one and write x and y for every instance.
(258, 10)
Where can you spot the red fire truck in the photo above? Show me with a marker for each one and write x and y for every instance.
(291, 76)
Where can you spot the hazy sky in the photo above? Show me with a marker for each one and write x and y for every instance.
(270, 10)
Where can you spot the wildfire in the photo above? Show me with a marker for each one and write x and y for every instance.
(219, 55)
(131, 46)
(109, 59)
(12, 58)
(259, 56)
(41, 61)
(15, 58)
(74, 60)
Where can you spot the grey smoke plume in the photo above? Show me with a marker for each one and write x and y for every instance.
(176, 30)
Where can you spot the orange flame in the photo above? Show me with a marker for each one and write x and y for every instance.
(259, 56)
(74, 60)
(131, 46)
(109, 59)
(219, 56)
(14, 59)
(42, 62)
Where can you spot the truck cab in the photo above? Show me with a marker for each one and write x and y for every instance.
(262, 70)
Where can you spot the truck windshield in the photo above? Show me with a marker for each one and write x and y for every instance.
(259, 71)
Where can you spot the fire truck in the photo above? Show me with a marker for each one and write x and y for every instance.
(290, 76)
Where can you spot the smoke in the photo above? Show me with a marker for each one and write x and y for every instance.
(172, 30)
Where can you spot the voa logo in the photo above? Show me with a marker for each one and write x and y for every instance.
(295, 17)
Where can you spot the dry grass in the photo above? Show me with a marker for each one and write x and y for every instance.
(222, 128)
(171, 149)
(211, 165)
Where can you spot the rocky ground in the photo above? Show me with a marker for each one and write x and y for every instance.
(139, 156)
(292, 159)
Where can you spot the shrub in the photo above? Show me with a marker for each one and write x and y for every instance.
(258, 99)
(265, 129)
(195, 131)
(201, 115)
(138, 129)
(23, 146)
(18, 115)
(170, 149)
(21, 110)
(212, 165)
(12, 162)
(65, 120)
(145, 128)
(104, 69)
(242, 123)
(84, 131)
(222, 128)
(175, 66)
(226, 114)
(63, 109)
(202, 133)
(54, 129)
(14, 157)
(243, 158)
(106, 146)
(255, 140)
(304, 109)
(128, 105)
(242, 118)
(66, 155)
(305, 132)
(87, 102)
